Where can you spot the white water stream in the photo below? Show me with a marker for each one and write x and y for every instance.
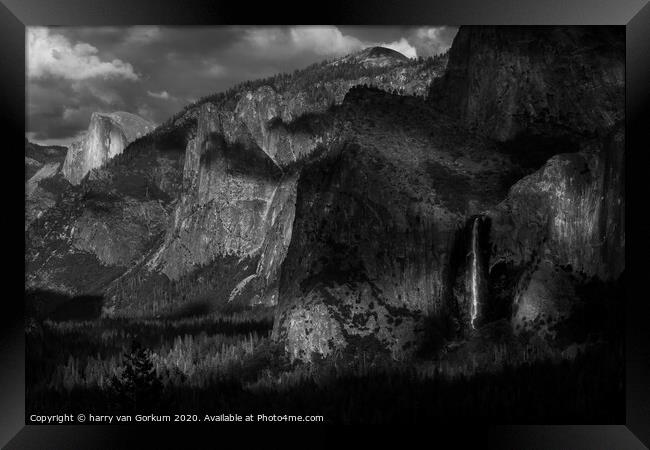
(475, 271)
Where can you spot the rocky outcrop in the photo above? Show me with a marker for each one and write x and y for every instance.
(230, 187)
(468, 259)
(375, 227)
(271, 120)
(103, 227)
(554, 98)
(365, 215)
(568, 216)
(237, 204)
(508, 82)
(43, 180)
(88, 239)
(545, 296)
(36, 156)
(239, 182)
(227, 213)
(373, 57)
(320, 86)
(38, 199)
(46, 171)
(355, 270)
(118, 240)
(107, 136)
(570, 212)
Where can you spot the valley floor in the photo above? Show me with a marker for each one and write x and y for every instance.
(227, 363)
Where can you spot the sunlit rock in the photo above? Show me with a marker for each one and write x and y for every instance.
(107, 136)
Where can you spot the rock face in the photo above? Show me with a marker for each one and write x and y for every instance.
(211, 223)
(43, 179)
(104, 226)
(508, 82)
(547, 296)
(236, 211)
(101, 227)
(107, 136)
(570, 211)
(358, 272)
(229, 201)
(356, 258)
(237, 204)
(36, 156)
(375, 227)
(363, 215)
(541, 91)
(568, 216)
(374, 57)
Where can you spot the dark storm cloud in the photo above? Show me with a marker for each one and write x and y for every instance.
(154, 71)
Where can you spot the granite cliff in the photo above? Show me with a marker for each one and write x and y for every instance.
(550, 82)
(43, 179)
(561, 227)
(553, 98)
(227, 199)
(375, 226)
(361, 210)
(102, 226)
(107, 136)
(549, 99)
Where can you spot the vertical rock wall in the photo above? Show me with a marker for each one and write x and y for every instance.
(509, 81)
(365, 265)
(107, 136)
(562, 226)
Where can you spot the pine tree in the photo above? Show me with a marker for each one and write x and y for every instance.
(138, 386)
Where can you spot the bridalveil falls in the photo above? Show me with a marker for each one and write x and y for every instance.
(474, 273)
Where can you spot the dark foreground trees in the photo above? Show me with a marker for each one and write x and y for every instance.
(138, 387)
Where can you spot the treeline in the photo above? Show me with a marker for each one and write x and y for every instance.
(198, 372)
(311, 81)
(311, 78)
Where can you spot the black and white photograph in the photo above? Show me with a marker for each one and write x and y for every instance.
(325, 223)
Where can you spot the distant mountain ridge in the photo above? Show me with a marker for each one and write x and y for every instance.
(43, 179)
(325, 83)
(37, 155)
(271, 116)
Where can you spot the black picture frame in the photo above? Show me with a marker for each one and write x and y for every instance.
(15, 15)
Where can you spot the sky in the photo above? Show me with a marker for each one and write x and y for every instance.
(154, 71)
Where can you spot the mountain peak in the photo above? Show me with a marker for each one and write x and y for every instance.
(374, 57)
(132, 125)
(108, 135)
(382, 52)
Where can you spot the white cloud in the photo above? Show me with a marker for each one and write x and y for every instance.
(146, 112)
(77, 114)
(324, 40)
(50, 54)
(164, 95)
(264, 37)
(403, 47)
(143, 34)
(428, 33)
(433, 40)
(105, 94)
(216, 70)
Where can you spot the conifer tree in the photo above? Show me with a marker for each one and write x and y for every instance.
(138, 386)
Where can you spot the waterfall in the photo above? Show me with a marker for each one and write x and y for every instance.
(475, 271)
